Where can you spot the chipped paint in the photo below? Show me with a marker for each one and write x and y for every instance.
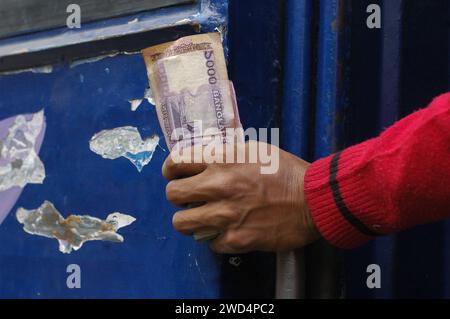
(76, 63)
(222, 30)
(9, 197)
(19, 163)
(206, 15)
(101, 30)
(183, 21)
(133, 21)
(71, 232)
(210, 18)
(197, 267)
(148, 95)
(46, 69)
(124, 142)
(135, 104)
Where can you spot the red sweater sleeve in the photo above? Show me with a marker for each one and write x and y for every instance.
(387, 184)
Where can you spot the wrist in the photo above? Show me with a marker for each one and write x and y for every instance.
(309, 231)
(313, 232)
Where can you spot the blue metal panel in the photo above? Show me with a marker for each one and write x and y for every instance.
(134, 32)
(323, 261)
(153, 261)
(79, 101)
(297, 78)
(295, 125)
(328, 79)
(256, 45)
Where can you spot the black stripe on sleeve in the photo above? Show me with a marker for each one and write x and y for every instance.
(343, 209)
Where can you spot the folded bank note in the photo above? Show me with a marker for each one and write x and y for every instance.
(195, 100)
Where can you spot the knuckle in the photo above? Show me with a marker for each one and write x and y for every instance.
(226, 216)
(219, 219)
(172, 192)
(178, 222)
(225, 183)
(243, 183)
(168, 167)
(235, 242)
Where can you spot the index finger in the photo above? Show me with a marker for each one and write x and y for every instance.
(181, 167)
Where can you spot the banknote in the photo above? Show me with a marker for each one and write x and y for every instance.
(195, 100)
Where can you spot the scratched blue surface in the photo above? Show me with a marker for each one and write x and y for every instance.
(328, 80)
(297, 78)
(154, 261)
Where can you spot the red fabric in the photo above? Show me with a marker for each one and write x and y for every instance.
(393, 182)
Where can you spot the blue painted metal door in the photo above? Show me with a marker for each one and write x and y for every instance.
(80, 99)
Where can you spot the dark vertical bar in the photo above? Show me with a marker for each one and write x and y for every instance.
(362, 124)
(295, 125)
(323, 266)
(447, 223)
(446, 261)
(392, 16)
(420, 252)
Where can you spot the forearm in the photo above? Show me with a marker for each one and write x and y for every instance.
(395, 181)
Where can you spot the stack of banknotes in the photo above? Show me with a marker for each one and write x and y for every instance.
(195, 99)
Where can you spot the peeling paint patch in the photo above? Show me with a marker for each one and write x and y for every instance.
(71, 232)
(92, 60)
(222, 30)
(148, 95)
(46, 69)
(43, 69)
(19, 163)
(133, 21)
(124, 142)
(101, 57)
(183, 21)
(135, 104)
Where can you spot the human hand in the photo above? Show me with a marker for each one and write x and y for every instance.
(250, 210)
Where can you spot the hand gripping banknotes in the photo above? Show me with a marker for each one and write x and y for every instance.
(195, 100)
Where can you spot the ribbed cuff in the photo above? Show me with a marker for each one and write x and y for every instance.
(340, 199)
